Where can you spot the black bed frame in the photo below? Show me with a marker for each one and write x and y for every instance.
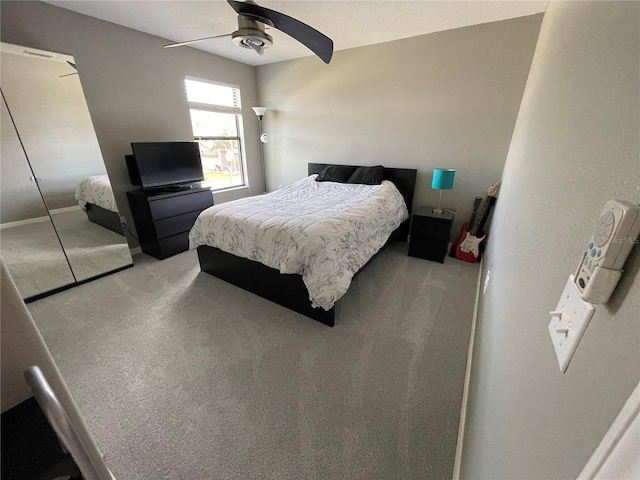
(105, 218)
(289, 290)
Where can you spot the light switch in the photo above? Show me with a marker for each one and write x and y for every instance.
(569, 320)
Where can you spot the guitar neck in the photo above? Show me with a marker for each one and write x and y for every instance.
(476, 204)
(484, 213)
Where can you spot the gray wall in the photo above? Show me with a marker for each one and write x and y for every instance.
(55, 128)
(14, 168)
(447, 99)
(575, 146)
(134, 88)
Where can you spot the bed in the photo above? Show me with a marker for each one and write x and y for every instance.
(95, 196)
(317, 261)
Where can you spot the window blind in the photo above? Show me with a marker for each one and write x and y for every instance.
(213, 97)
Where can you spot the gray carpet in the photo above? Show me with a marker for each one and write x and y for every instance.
(91, 248)
(37, 263)
(34, 258)
(183, 376)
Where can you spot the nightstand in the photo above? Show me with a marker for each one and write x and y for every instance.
(430, 234)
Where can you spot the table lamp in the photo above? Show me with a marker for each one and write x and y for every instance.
(442, 180)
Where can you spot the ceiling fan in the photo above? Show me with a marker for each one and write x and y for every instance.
(252, 19)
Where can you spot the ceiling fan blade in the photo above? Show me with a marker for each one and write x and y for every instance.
(315, 41)
(72, 64)
(189, 42)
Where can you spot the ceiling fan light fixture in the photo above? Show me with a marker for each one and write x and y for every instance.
(252, 38)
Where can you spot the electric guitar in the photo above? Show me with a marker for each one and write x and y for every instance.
(469, 249)
(465, 225)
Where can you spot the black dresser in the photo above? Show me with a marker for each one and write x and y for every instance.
(163, 219)
(430, 234)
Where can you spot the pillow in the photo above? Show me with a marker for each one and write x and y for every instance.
(335, 173)
(368, 175)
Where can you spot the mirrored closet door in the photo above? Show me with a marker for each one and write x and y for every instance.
(59, 221)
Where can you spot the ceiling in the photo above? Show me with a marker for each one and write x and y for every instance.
(348, 23)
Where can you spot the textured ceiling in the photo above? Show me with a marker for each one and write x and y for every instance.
(348, 23)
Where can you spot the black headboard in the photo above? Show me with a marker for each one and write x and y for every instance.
(403, 178)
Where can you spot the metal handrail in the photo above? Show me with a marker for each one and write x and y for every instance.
(59, 420)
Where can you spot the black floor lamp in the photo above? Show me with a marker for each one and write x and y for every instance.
(264, 138)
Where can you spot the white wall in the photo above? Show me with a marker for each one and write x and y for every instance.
(134, 88)
(447, 99)
(575, 146)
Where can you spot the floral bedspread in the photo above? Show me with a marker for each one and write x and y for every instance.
(324, 231)
(97, 190)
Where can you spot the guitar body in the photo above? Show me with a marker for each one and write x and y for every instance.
(456, 244)
(465, 228)
(469, 249)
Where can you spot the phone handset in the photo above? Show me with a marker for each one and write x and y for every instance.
(616, 232)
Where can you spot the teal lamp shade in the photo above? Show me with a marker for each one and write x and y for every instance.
(442, 180)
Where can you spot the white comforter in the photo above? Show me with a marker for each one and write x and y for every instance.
(97, 190)
(323, 231)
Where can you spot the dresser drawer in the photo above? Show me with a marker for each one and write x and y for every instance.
(172, 245)
(190, 202)
(174, 225)
(428, 249)
(427, 227)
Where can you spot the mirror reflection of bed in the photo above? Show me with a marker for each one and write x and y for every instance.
(59, 220)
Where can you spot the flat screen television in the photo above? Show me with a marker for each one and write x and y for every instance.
(165, 164)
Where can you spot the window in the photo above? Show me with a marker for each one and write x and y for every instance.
(216, 120)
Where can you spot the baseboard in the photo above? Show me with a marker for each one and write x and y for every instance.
(44, 218)
(18, 223)
(65, 209)
(467, 380)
